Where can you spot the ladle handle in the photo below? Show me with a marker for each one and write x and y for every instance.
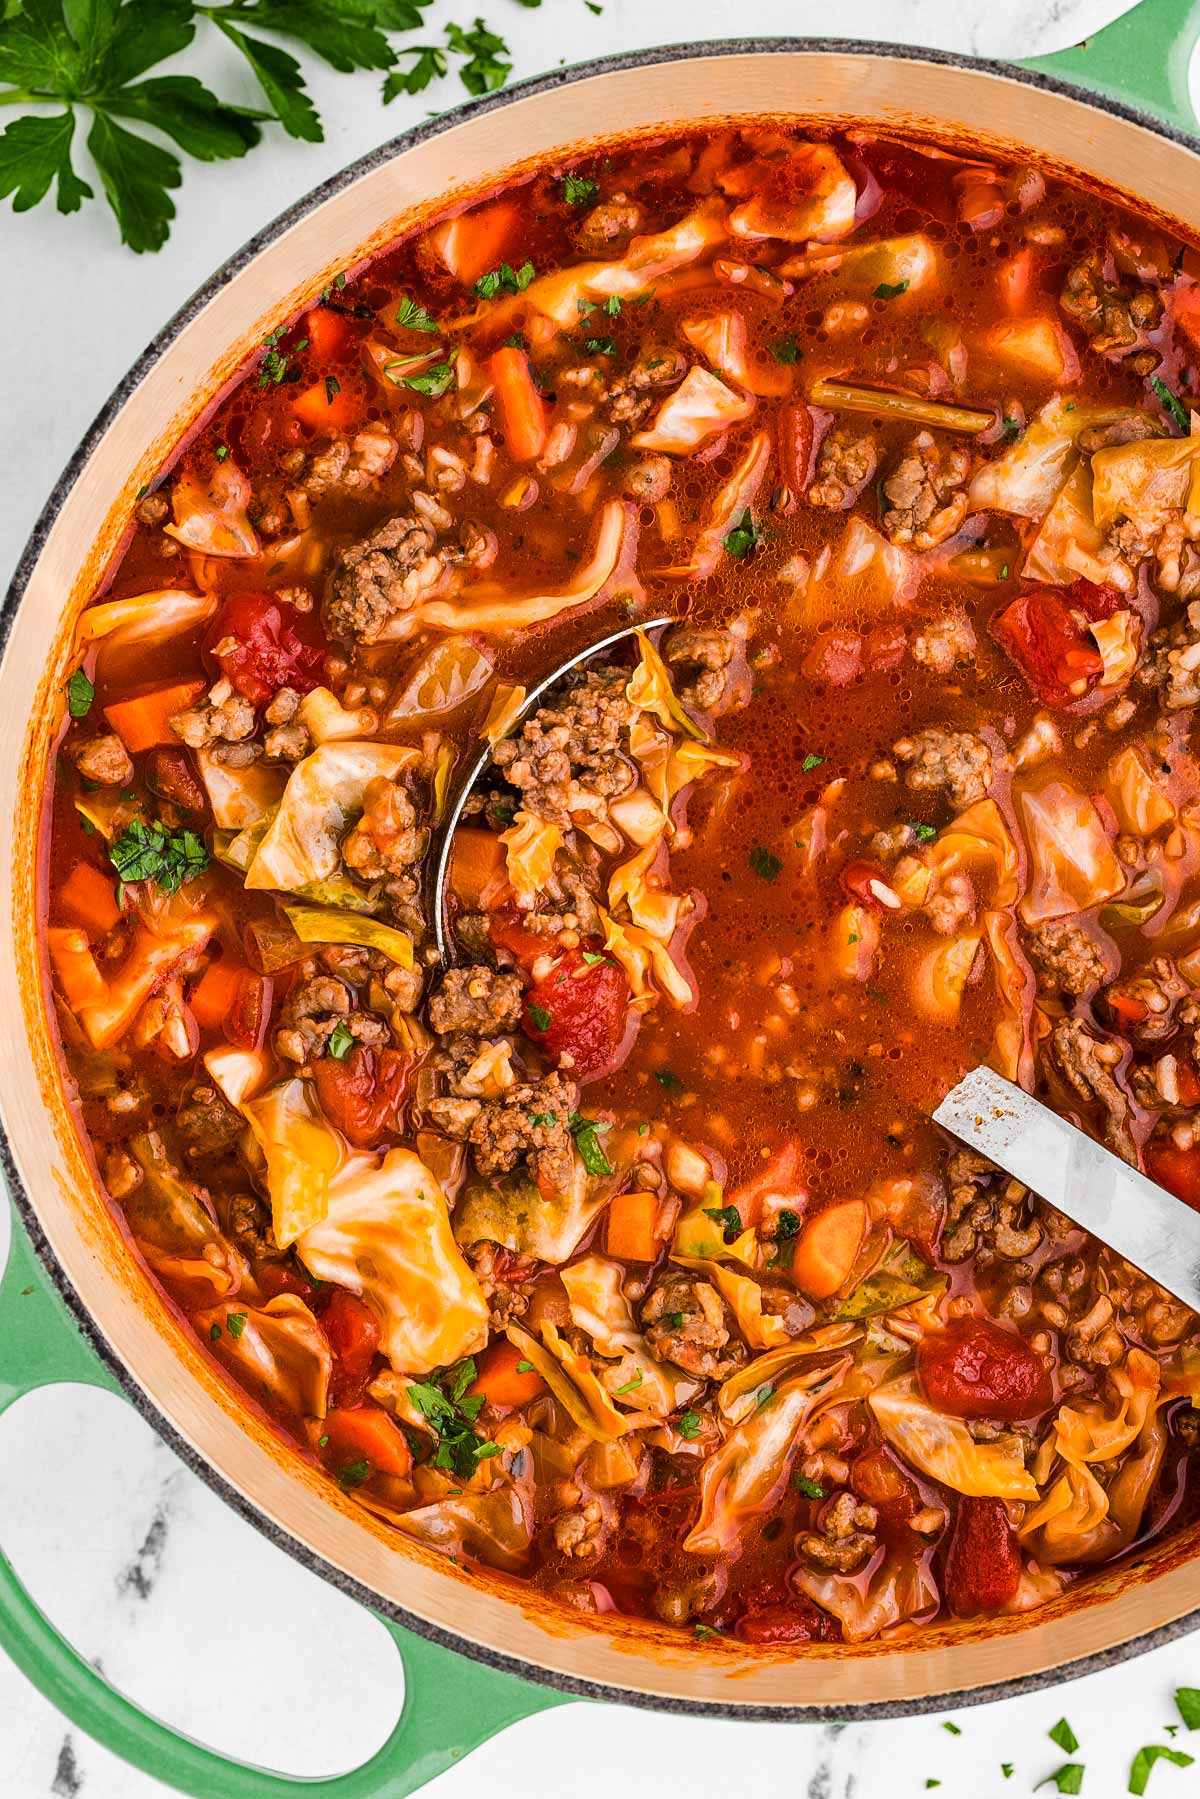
(451, 1705)
(1141, 60)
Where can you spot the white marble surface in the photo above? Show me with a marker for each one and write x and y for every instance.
(182, 1604)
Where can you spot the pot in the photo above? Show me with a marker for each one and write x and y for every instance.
(76, 1262)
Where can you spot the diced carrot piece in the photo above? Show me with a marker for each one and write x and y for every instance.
(522, 411)
(366, 1433)
(478, 874)
(87, 896)
(75, 968)
(143, 722)
(827, 1248)
(501, 1381)
(1185, 306)
(477, 241)
(630, 1232)
(328, 333)
(215, 994)
(326, 406)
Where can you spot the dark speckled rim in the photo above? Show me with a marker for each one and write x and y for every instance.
(293, 1546)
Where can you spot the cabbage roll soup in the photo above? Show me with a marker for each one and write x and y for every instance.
(618, 1256)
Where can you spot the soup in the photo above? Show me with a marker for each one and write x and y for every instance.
(617, 1255)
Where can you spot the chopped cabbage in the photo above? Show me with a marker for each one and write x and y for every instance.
(651, 690)
(494, 1527)
(447, 674)
(909, 263)
(730, 502)
(490, 607)
(1025, 477)
(240, 796)
(327, 924)
(328, 721)
(1141, 803)
(650, 907)
(599, 1307)
(385, 1233)
(511, 1209)
(944, 1448)
(902, 1587)
(746, 1476)
(238, 1073)
(145, 617)
(210, 515)
(572, 1381)
(1070, 544)
(941, 977)
(864, 573)
(722, 338)
(301, 1153)
(696, 410)
(737, 1396)
(530, 846)
(805, 194)
(1118, 640)
(1012, 1050)
(323, 793)
(649, 967)
(744, 1297)
(1071, 861)
(277, 1349)
(978, 839)
(1143, 481)
(148, 963)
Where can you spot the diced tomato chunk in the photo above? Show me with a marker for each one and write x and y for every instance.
(363, 1094)
(1096, 602)
(793, 446)
(283, 1277)
(579, 1010)
(983, 1565)
(1056, 656)
(1178, 1170)
(353, 1332)
(879, 1479)
(523, 945)
(273, 645)
(795, 1620)
(974, 1369)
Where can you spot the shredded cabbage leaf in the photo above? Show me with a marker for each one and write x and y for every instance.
(1072, 864)
(301, 1153)
(696, 410)
(944, 1448)
(324, 792)
(385, 1233)
(599, 1307)
(808, 193)
(240, 796)
(145, 617)
(278, 1349)
(210, 515)
(327, 924)
(1025, 478)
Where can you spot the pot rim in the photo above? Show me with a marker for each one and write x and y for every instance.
(144, 1404)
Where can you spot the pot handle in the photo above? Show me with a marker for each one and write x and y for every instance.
(1142, 59)
(451, 1704)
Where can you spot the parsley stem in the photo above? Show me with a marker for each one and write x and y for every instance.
(24, 96)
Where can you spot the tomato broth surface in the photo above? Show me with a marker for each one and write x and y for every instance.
(621, 1257)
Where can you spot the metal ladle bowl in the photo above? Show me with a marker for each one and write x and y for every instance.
(443, 848)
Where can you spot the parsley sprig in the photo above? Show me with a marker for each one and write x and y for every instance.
(63, 58)
(149, 852)
(450, 1412)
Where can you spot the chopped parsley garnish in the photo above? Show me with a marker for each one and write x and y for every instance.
(276, 363)
(152, 853)
(674, 1319)
(630, 1385)
(787, 1225)
(214, 1332)
(705, 1630)
(809, 1489)
(354, 1474)
(785, 349)
(579, 191)
(221, 452)
(931, 1782)
(1187, 1704)
(600, 346)
(80, 694)
(592, 956)
(954, 1729)
(689, 1425)
(586, 1132)
(1010, 428)
(1144, 1761)
(743, 538)
(810, 762)
(431, 381)
(413, 316)
(729, 1219)
(332, 386)
(668, 1080)
(764, 862)
(891, 290)
(236, 1322)
(1170, 402)
(1006, 1769)
(524, 1367)
(539, 1018)
(1064, 1736)
(545, 1119)
(482, 72)
(505, 280)
(923, 833)
(341, 1041)
(1068, 1778)
(450, 1413)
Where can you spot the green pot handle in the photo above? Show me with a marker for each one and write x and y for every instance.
(1141, 58)
(451, 1704)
